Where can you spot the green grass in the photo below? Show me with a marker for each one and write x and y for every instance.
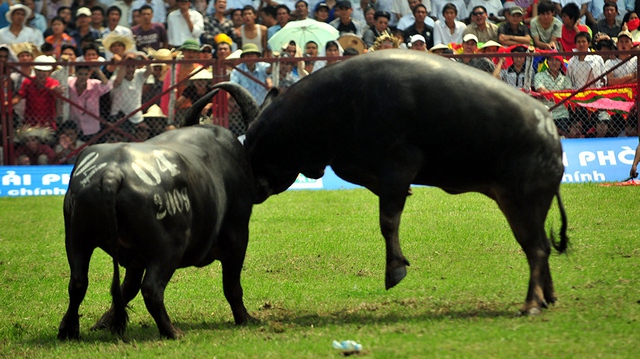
(315, 272)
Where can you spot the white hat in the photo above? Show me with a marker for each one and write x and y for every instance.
(417, 37)
(44, 59)
(83, 11)
(490, 43)
(438, 47)
(202, 75)
(15, 7)
(469, 37)
(154, 111)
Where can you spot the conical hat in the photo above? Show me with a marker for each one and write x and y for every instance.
(154, 111)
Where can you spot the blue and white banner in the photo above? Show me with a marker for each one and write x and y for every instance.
(585, 160)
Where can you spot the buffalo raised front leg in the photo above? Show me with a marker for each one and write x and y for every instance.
(391, 207)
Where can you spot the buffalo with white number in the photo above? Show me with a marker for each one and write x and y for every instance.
(183, 198)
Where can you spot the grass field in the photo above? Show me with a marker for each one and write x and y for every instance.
(315, 272)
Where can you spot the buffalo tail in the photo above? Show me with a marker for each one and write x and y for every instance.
(110, 187)
(561, 246)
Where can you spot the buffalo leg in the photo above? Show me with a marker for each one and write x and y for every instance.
(154, 283)
(526, 216)
(231, 269)
(78, 283)
(391, 207)
(130, 288)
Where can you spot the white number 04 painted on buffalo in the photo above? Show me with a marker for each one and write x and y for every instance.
(148, 173)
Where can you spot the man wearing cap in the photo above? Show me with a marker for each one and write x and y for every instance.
(470, 46)
(83, 22)
(344, 23)
(418, 43)
(408, 19)
(419, 26)
(17, 31)
(218, 23)
(321, 12)
(184, 24)
(190, 51)
(513, 31)
(626, 73)
(380, 25)
(479, 26)
(37, 91)
(149, 34)
(256, 69)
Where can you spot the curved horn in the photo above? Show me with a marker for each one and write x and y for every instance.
(248, 105)
(192, 117)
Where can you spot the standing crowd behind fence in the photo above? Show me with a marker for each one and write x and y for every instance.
(78, 72)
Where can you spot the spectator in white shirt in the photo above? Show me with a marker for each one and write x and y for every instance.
(184, 24)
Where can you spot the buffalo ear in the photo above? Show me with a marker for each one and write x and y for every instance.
(271, 95)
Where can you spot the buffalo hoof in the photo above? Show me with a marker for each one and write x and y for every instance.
(65, 333)
(105, 322)
(394, 276)
(175, 334)
(531, 311)
(248, 320)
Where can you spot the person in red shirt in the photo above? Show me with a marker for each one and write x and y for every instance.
(571, 26)
(37, 91)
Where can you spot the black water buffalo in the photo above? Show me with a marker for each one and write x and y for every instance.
(393, 118)
(183, 198)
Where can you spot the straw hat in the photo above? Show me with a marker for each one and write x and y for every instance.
(45, 134)
(351, 40)
(112, 38)
(15, 7)
(154, 111)
(21, 47)
(202, 75)
(161, 55)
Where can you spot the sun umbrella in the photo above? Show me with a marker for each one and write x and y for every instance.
(303, 31)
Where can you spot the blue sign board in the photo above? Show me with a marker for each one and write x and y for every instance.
(585, 160)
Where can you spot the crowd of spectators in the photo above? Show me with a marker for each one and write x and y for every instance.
(117, 34)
